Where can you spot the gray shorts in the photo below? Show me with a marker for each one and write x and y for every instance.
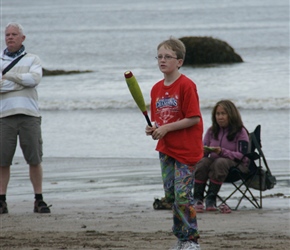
(28, 129)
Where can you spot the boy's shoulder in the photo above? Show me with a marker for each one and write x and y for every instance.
(185, 78)
(186, 82)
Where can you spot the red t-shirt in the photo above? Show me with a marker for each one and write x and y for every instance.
(172, 103)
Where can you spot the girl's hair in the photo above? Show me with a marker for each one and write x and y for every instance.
(16, 25)
(235, 120)
(175, 45)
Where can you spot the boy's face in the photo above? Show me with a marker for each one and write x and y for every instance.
(167, 60)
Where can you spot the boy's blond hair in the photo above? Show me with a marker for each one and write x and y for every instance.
(175, 45)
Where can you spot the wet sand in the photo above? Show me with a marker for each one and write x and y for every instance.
(88, 212)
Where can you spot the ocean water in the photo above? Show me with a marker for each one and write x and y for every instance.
(94, 115)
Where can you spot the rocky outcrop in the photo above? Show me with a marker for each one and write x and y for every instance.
(47, 72)
(207, 50)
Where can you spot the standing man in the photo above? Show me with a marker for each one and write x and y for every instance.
(19, 114)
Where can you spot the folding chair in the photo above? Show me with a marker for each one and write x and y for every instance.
(244, 183)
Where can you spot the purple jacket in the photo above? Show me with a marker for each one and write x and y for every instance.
(234, 149)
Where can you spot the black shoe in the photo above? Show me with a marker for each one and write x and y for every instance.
(3, 207)
(162, 204)
(41, 207)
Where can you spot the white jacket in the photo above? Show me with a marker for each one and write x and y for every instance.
(18, 93)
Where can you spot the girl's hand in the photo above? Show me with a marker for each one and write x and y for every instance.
(217, 150)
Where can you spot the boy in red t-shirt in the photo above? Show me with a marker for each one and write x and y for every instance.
(178, 127)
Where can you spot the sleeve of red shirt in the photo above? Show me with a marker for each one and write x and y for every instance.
(190, 103)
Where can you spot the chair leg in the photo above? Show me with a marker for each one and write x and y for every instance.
(252, 199)
(224, 201)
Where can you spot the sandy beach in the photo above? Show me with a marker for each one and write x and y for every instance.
(90, 213)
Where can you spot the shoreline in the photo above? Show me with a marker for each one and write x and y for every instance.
(134, 179)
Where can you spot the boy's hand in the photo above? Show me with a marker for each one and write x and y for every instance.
(149, 130)
(159, 132)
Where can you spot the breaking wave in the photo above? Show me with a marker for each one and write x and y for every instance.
(92, 104)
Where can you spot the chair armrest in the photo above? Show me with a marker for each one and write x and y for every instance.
(253, 156)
